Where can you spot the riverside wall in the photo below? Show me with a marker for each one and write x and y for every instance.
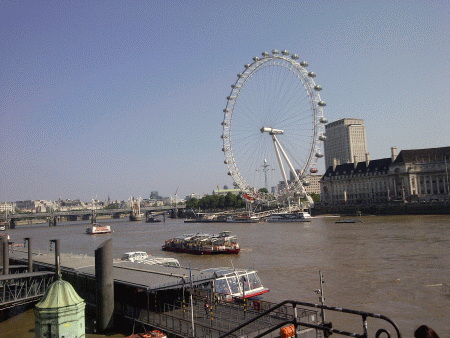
(438, 208)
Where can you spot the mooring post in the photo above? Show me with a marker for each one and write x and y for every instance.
(57, 258)
(105, 285)
(5, 247)
(30, 254)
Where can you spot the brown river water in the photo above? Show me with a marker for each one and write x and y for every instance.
(397, 266)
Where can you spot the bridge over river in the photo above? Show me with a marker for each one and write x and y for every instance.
(84, 214)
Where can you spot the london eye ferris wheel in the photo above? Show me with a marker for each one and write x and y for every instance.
(273, 127)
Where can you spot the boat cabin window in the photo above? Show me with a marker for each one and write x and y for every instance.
(234, 285)
(222, 286)
(254, 281)
(126, 257)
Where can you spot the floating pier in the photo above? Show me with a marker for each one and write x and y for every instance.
(157, 297)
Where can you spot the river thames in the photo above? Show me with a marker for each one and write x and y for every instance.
(397, 266)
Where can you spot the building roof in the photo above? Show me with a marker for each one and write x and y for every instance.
(150, 277)
(423, 155)
(60, 294)
(381, 165)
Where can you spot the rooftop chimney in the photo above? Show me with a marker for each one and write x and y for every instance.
(355, 162)
(334, 164)
(367, 159)
(394, 153)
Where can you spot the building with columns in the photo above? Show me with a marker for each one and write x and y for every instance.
(345, 142)
(410, 176)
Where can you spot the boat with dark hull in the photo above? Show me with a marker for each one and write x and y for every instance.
(349, 221)
(152, 220)
(204, 244)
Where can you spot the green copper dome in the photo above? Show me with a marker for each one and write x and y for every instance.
(60, 294)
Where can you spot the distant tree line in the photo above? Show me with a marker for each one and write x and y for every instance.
(112, 206)
(228, 201)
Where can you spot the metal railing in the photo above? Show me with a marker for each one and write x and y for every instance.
(176, 318)
(20, 288)
(326, 328)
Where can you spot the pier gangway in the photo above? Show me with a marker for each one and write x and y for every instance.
(22, 288)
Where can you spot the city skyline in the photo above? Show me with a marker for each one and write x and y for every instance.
(123, 98)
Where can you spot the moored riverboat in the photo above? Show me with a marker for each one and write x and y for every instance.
(143, 257)
(290, 217)
(207, 218)
(95, 229)
(243, 219)
(204, 244)
(237, 284)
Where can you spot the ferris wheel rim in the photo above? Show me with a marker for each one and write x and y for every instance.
(306, 78)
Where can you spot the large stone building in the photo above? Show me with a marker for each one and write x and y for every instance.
(410, 176)
(346, 141)
(314, 184)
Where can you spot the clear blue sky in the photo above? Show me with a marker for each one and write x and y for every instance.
(126, 97)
